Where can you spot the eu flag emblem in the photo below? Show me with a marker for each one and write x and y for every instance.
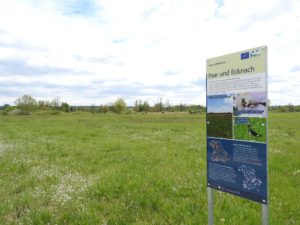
(245, 55)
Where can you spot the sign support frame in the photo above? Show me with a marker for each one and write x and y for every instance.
(265, 207)
(265, 214)
(210, 194)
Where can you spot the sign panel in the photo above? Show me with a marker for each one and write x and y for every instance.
(236, 124)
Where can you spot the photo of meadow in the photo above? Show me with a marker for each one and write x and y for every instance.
(219, 116)
(219, 125)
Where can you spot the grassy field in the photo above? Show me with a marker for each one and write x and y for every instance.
(131, 169)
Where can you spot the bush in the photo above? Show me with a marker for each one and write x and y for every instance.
(65, 107)
(103, 109)
(119, 106)
(8, 110)
(26, 104)
(16, 112)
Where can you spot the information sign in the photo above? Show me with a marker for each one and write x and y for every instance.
(236, 124)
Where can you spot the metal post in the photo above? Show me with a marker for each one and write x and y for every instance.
(210, 206)
(265, 214)
(265, 207)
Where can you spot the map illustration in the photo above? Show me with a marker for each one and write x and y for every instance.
(219, 154)
(251, 181)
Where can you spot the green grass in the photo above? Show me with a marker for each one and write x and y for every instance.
(131, 169)
(257, 124)
(219, 125)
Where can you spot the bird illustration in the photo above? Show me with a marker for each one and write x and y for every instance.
(252, 132)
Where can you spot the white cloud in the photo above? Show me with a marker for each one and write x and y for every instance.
(138, 42)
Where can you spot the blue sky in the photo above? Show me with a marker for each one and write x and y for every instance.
(219, 104)
(95, 51)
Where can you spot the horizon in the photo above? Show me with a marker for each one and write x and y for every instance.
(91, 52)
(130, 106)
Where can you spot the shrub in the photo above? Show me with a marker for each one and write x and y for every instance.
(103, 109)
(26, 104)
(119, 106)
(8, 109)
(16, 112)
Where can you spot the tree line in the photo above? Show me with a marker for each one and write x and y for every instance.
(26, 104)
(285, 108)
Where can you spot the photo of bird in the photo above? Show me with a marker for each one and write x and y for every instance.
(252, 132)
(250, 128)
(250, 104)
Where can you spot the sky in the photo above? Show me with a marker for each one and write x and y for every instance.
(95, 51)
(220, 104)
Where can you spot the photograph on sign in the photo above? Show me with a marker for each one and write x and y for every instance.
(219, 114)
(236, 122)
(250, 128)
(250, 104)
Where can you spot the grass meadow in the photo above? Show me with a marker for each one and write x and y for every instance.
(131, 169)
(219, 125)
